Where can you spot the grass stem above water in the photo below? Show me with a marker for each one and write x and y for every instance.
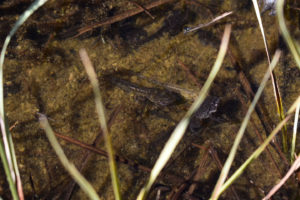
(101, 115)
(75, 174)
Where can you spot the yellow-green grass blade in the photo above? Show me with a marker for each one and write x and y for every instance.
(261, 148)
(101, 114)
(75, 174)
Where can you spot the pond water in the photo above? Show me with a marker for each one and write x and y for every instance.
(153, 57)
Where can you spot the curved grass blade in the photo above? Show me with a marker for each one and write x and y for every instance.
(75, 174)
(7, 151)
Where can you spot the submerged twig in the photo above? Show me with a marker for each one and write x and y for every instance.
(295, 8)
(262, 147)
(199, 172)
(86, 155)
(218, 162)
(103, 153)
(82, 182)
(253, 123)
(142, 7)
(189, 73)
(115, 19)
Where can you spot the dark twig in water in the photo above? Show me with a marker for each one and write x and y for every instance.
(103, 153)
(200, 172)
(145, 10)
(116, 18)
(178, 190)
(216, 158)
(260, 109)
(189, 73)
(86, 155)
(295, 8)
(253, 123)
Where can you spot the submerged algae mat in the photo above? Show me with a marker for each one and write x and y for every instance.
(43, 73)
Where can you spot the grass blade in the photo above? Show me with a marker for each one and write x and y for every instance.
(292, 169)
(295, 133)
(261, 148)
(82, 182)
(285, 33)
(7, 151)
(181, 127)
(101, 114)
(217, 190)
(273, 78)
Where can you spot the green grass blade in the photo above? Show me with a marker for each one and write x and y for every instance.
(101, 114)
(261, 148)
(181, 127)
(75, 174)
(224, 173)
(10, 174)
(8, 155)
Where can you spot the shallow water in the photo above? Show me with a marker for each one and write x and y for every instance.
(43, 73)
